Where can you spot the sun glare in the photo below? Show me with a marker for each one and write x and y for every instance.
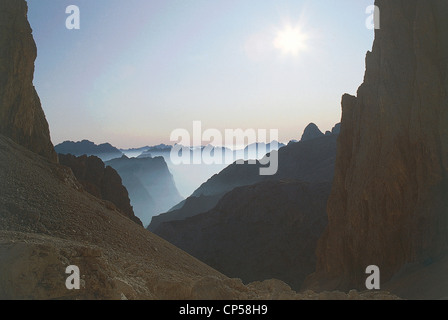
(290, 40)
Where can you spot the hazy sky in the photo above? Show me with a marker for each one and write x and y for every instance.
(138, 69)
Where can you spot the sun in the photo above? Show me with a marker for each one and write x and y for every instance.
(291, 40)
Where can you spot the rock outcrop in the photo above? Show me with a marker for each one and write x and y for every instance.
(21, 116)
(101, 181)
(389, 202)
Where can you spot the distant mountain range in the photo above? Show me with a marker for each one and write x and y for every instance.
(252, 151)
(304, 161)
(86, 147)
(136, 152)
(180, 179)
(150, 185)
(103, 151)
(188, 177)
(185, 177)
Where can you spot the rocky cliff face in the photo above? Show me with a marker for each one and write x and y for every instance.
(389, 202)
(21, 116)
(101, 181)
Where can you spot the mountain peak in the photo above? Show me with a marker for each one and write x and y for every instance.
(312, 131)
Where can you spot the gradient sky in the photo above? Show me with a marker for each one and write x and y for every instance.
(138, 69)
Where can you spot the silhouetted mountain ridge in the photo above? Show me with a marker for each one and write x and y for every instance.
(103, 151)
(311, 132)
(308, 161)
(150, 184)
